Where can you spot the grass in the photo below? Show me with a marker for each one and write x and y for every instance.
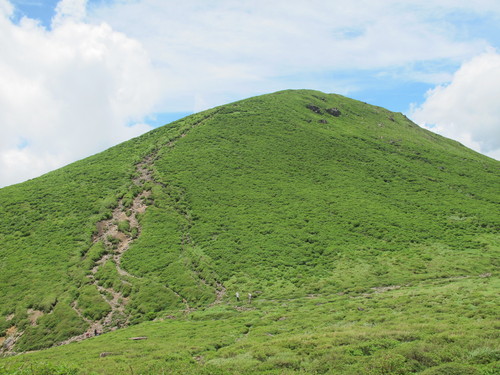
(423, 328)
(307, 212)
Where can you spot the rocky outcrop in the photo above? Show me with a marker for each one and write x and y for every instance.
(334, 112)
(314, 108)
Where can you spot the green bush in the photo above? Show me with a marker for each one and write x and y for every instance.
(91, 303)
(387, 364)
(451, 369)
(484, 355)
(62, 323)
(39, 369)
(124, 226)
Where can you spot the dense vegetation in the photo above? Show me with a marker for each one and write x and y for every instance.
(368, 244)
(443, 326)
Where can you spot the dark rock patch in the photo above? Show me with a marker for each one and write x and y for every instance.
(334, 112)
(314, 108)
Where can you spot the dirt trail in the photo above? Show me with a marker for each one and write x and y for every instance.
(220, 292)
(117, 243)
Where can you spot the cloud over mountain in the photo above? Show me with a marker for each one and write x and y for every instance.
(67, 92)
(467, 108)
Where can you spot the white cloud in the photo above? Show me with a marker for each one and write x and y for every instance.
(214, 52)
(68, 92)
(69, 10)
(6, 8)
(230, 44)
(467, 108)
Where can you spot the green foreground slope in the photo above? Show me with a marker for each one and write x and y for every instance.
(443, 326)
(366, 242)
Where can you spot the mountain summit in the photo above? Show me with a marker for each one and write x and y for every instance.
(293, 204)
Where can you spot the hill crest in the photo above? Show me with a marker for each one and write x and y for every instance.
(284, 195)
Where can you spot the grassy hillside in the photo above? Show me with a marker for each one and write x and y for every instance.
(444, 326)
(367, 243)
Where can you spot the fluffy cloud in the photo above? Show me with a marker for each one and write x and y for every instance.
(245, 47)
(68, 92)
(467, 108)
(74, 10)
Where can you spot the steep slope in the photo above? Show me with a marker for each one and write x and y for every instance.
(281, 196)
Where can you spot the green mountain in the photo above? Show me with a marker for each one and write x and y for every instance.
(295, 232)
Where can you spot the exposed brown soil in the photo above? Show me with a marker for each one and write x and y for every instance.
(12, 334)
(117, 243)
(105, 230)
(11, 331)
(33, 316)
(108, 229)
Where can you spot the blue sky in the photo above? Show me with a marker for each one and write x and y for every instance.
(42, 10)
(97, 72)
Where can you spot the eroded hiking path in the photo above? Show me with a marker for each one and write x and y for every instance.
(116, 233)
(113, 237)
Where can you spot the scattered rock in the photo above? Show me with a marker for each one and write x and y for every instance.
(9, 342)
(314, 108)
(361, 309)
(138, 338)
(105, 354)
(334, 112)
(485, 275)
(323, 121)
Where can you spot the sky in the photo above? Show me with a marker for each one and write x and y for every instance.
(79, 76)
